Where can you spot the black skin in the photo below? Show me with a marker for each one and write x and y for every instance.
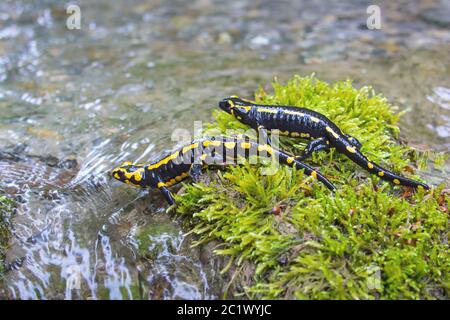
(302, 122)
(190, 160)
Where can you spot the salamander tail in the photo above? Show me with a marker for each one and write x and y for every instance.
(383, 173)
(394, 178)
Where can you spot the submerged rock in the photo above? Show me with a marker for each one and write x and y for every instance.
(439, 15)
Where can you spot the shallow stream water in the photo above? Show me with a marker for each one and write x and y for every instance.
(75, 103)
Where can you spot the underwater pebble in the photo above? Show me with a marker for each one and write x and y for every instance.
(225, 38)
(441, 97)
(443, 131)
(439, 15)
(260, 41)
(9, 32)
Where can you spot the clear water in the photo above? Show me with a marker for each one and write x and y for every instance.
(75, 103)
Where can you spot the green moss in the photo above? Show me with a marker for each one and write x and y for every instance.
(5, 232)
(368, 240)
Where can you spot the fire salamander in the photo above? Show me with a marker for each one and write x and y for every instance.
(189, 161)
(304, 123)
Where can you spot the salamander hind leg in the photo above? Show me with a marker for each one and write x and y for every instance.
(315, 145)
(294, 162)
(355, 142)
(166, 193)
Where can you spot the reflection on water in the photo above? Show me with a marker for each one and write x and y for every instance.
(76, 103)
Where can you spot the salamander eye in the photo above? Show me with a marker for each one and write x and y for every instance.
(226, 105)
(117, 174)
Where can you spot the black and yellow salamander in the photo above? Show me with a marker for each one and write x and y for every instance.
(304, 123)
(189, 161)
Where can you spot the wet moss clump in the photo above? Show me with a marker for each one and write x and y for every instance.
(5, 231)
(369, 240)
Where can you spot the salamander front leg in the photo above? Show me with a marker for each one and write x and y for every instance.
(195, 171)
(315, 145)
(355, 142)
(166, 193)
(263, 136)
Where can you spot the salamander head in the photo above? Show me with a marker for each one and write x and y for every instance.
(129, 173)
(236, 106)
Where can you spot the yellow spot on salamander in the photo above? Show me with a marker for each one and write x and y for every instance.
(178, 178)
(161, 184)
(163, 161)
(295, 134)
(290, 160)
(314, 119)
(184, 175)
(314, 174)
(281, 133)
(230, 145)
(190, 147)
(294, 113)
(245, 145)
(350, 149)
(381, 173)
(203, 157)
(267, 110)
(128, 175)
(265, 147)
(332, 132)
(305, 135)
(127, 163)
(116, 175)
(369, 165)
(214, 143)
(396, 181)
